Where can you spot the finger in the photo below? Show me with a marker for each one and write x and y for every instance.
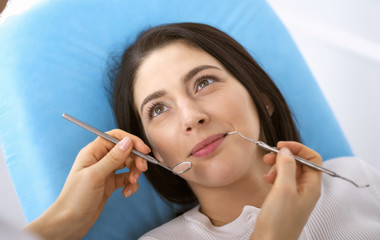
(121, 180)
(302, 151)
(137, 143)
(310, 174)
(134, 176)
(100, 146)
(129, 161)
(139, 162)
(286, 169)
(123, 165)
(270, 158)
(135, 165)
(114, 158)
(130, 189)
(270, 177)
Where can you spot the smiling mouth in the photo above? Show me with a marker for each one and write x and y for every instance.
(208, 145)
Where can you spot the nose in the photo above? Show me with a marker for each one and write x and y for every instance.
(193, 116)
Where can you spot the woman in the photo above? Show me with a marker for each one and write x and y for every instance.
(182, 88)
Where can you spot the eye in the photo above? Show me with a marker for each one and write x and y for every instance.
(156, 110)
(204, 82)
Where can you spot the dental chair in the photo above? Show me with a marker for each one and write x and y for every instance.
(54, 59)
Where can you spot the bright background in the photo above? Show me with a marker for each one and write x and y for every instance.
(340, 41)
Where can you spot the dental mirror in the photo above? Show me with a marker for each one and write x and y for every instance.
(298, 159)
(178, 169)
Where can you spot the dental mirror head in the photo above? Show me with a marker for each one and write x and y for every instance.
(182, 167)
(178, 169)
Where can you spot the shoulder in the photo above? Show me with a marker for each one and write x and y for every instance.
(354, 169)
(344, 163)
(343, 209)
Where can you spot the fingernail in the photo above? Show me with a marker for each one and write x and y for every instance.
(285, 152)
(125, 143)
(146, 165)
(128, 193)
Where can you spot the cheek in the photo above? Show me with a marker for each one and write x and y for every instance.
(241, 113)
(164, 146)
(252, 121)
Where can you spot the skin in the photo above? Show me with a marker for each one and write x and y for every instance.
(234, 175)
(190, 111)
(91, 181)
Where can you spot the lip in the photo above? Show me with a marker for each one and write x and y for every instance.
(208, 145)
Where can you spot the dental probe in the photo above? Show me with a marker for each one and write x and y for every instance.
(301, 160)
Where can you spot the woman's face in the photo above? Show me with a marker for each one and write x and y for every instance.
(188, 102)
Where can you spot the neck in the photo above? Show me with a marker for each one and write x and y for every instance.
(224, 204)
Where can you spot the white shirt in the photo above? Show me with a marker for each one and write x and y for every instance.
(342, 212)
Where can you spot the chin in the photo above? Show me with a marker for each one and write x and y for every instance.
(218, 175)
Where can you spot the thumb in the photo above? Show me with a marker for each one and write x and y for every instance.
(114, 158)
(286, 168)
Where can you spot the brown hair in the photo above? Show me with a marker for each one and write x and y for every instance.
(275, 127)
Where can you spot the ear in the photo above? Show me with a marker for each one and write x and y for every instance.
(268, 104)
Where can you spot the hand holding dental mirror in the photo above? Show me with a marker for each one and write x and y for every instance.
(178, 169)
(298, 159)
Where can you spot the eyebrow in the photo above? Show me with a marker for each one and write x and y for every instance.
(185, 79)
(196, 70)
(152, 96)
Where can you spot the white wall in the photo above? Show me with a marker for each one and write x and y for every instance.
(10, 209)
(340, 41)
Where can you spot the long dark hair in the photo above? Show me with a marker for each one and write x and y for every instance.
(275, 127)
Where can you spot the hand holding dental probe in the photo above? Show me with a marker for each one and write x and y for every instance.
(178, 169)
(298, 159)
